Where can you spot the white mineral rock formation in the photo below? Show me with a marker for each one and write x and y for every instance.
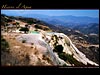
(70, 48)
(44, 44)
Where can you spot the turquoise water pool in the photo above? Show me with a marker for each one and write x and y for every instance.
(34, 32)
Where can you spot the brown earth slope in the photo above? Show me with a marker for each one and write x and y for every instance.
(21, 54)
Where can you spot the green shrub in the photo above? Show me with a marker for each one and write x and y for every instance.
(30, 22)
(58, 48)
(64, 65)
(62, 56)
(23, 41)
(32, 43)
(24, 29)
(17, 23)
(38, 26)
(2, 39)
(4, 44)
(70, 59)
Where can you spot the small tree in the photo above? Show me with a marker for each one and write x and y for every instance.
(62, 56)
(17, 25)
(58, 48)
(24, 41)
(38, 27)
(24, 29)
(30, 22)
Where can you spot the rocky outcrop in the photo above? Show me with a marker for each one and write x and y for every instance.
(45, 43)
(69, 48)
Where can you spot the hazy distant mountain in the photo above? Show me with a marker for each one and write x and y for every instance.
(89, 28)
(62, 20)
(66, 21)
(77, 19)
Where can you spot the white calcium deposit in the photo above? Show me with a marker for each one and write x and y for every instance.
(44, 44)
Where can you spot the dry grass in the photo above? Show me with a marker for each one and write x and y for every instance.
(20, 53)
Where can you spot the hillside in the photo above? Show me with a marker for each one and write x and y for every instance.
(84, 42)
(88, 29)
(65, 20)
(5, 19)
(29, 41)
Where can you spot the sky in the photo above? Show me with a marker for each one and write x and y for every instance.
(89, 13)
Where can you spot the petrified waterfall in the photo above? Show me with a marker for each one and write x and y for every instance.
(69, 47)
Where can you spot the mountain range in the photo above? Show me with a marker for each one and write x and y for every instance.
(62, 20)
(80, 23)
